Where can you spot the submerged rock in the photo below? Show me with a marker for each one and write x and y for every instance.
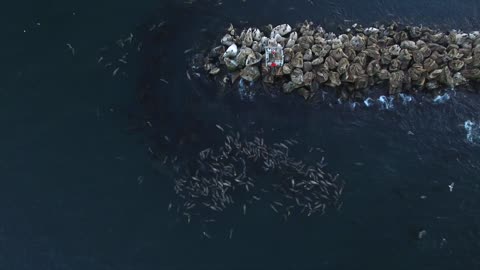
(214, 71)
(289, 87)
(250, 73)
(304, 92)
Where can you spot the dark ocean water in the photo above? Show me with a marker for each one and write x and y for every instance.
(79, 189)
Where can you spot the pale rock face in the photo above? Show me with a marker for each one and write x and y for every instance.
(232, 51)
(292, 40)
(343, 38)
(248, 38)
(227, 40)
(289, 87)
(272, 42)
(231, 30)
(290, 43)
(280, 39)
(293, 36)
(257, 34)
(370, 30)
(461, 38)
(264, 41)
(474, 35)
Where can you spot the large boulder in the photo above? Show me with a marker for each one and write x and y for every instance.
(250, 73)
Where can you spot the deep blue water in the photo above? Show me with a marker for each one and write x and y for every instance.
(80, 190)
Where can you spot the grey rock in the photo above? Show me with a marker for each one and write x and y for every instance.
(308, 56)
(317, 61)
(307, 66)
(297, 60)
(248, 38)
(308, 78)
(282, 29)
(408, 44)
(250, 73)
(287, 69)
(297, 76)
(289, 87)
(227, 40)
(358, 43)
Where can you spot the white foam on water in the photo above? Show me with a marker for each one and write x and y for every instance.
(353, 105)
(441, 99)
(386, 102)
(406, 98)
(472, 130)
(369, 102)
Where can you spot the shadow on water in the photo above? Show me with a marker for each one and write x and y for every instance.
(397, 164)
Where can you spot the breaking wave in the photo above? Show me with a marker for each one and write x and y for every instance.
(473, 131)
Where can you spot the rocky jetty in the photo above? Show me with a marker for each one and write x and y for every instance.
(406, 58)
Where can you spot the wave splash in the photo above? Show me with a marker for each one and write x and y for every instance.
(243, 91)
(473, 131)
(440, 99)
